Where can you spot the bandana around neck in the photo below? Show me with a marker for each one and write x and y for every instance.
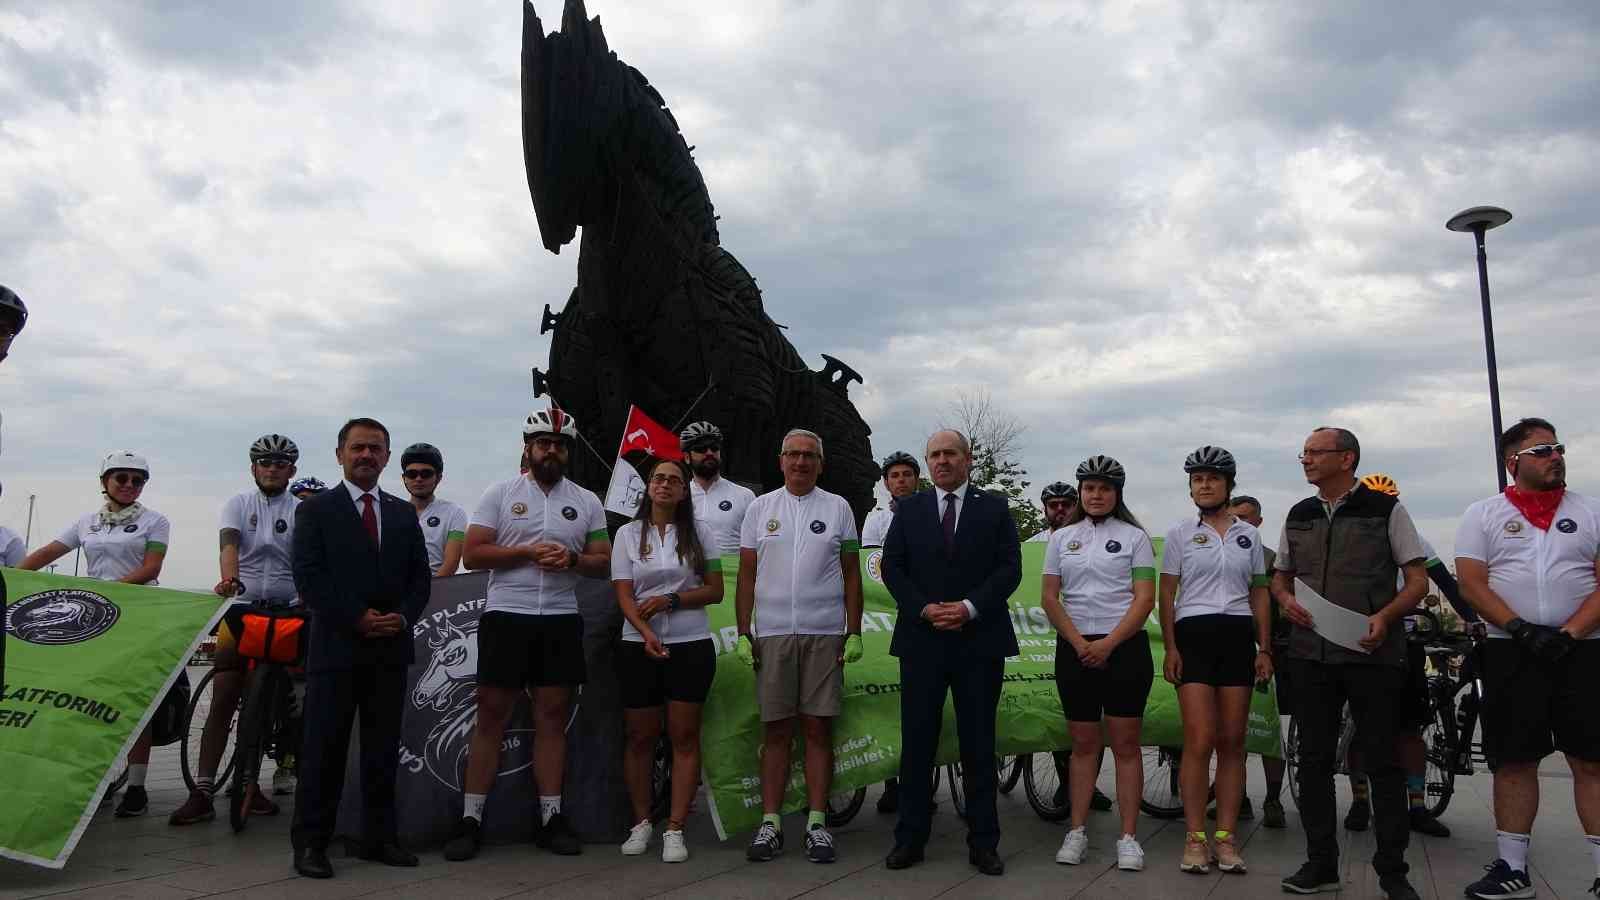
(1538, 507)
(128, 513)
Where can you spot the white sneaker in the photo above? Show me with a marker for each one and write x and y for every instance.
(283, 782)
(1130, 856)
(1073, 847)
(638, 839)
(673, 849)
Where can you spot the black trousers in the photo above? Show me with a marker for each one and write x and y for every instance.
(333, 702)
(974, 685)
(1374, 693)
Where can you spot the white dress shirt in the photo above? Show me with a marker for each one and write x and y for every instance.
(960, 493)
(377, 505)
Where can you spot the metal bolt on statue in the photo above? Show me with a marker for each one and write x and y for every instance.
(662, 313)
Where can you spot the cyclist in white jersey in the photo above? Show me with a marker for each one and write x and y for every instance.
(717, 501)
(800, 576)
(256, 536)
(444, 524)
(900, 475)
(537, 535)
(122, 541)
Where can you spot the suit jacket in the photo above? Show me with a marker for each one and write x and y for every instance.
(985, 568)
(340, 575)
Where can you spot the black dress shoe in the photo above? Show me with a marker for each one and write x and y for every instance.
(903, 857)
(988, 861)
(312, 862)
(389, 854)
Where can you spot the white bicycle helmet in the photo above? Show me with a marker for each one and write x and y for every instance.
(124, 459)
(550, 421)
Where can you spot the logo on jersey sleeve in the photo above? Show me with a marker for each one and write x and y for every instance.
(1074, 546)
(817, 527)
(725, 505)
(519, 508)
(130, 528)
(1513, 527)
(253, 520)
(433, 521)
(1243, 540)
(1200, 540)
(1116, 546)
(280, 526)
(568, 513)
(1566, 526)
(772, 526)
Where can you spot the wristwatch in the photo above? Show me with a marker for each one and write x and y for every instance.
(1514, 625)
(673, 601)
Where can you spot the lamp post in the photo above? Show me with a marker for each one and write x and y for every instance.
(1476, 221)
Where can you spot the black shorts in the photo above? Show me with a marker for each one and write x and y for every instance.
(516, 650)
(1218, 650)
(1412, 711)
(683, 677)
(1531, 708)
(1120, 689)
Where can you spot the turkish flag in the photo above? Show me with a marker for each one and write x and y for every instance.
(642, 435)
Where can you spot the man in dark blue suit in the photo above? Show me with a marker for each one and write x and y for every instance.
(951, 560)
(361, 567)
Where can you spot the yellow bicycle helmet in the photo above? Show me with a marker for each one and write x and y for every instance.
(1381, 483)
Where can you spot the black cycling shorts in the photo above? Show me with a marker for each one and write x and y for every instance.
(1217, 649)
(516, 650)
(1531, 708)
(1120, 689)
(683, 677)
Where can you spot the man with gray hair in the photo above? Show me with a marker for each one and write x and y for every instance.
(800, 577)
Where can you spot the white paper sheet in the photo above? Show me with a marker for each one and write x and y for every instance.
(1339, 625)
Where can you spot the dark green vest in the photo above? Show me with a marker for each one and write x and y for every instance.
(1346, 559)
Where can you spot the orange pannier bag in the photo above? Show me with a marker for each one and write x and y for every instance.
(269, 635)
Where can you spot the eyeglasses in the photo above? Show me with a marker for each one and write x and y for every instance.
(1312, 452)
(417, 474)
(673, 480)
(129, 478)
(800, 455)
(1543, 451)
(274, 463)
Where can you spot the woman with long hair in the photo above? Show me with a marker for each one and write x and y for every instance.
(1217, 628)
(665, 572)
(1098, 588)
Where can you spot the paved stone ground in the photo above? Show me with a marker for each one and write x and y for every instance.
(147, 858)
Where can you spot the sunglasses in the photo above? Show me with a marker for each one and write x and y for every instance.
(705, 448)
(274, 463)
(129, 478)
(417, 474)
(1543, 451)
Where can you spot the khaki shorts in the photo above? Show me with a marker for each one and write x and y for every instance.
(799, 674)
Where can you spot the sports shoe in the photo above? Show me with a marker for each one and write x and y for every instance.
(1246, 811)
(1396, 887)
(1359, 817)
(1100, 802)
(673, 849)
(464, 840)
(135, 802)
(1272, 814)
(1196, 856)
(1502, 882)
(1227, 856)
(1130, 856)
(638, 839)
(767, 843)
(558, 837)
(198, 808)
(819, 845)
(1311, 879)
(1073, 847)
(283, 782)
(1422, 823)
(1595, 888)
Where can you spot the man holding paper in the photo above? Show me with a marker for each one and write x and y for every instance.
(1346, 545)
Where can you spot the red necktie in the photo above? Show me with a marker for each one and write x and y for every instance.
(369, 518)
(949, 522)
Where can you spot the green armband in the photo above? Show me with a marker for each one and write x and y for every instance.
(455, 536)
(599, 534)
(713, 565)
(1144, 573)
(1259, 581)
(154, 546)
(850, 547)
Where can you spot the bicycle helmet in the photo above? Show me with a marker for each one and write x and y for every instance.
(308, 483)
(1211, 459)
(423, 453)
(1058, 490)
(124, 459)
(549, 421)
(1104, 468)
(274, 446)
(901, 458)
(1381, 483)
(12, 306)
(699, 435)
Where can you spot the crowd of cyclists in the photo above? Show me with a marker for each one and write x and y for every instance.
(1229, 609)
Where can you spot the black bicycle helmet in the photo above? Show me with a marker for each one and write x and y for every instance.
(1211, 459)
(900, 458)
(1058, 490)
(12, 306)
(699, 435)
(274, 446)
(1104, 468)
(424, 453)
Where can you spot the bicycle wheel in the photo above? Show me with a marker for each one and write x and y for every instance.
(1042, 782)
(958, 788)
(1161, 798)
(1291, 760)
(1441, 743)
(255, 727)
(194, 728)
(1010, 768)
(843, 806)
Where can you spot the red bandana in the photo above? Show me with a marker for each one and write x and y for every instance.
(1538, 507)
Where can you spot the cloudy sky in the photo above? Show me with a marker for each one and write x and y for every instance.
(1141, 226)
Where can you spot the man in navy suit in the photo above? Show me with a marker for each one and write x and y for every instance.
(361, 567)
(951, 560)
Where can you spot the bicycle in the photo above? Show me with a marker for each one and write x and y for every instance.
(194, 729)
(1007, 768)
(1454, 704)
(843, 806)
(269, 645)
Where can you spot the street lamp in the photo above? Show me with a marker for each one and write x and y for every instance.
(1478, 220)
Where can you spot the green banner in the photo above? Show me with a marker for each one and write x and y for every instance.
(86, 663)
(867, 732)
